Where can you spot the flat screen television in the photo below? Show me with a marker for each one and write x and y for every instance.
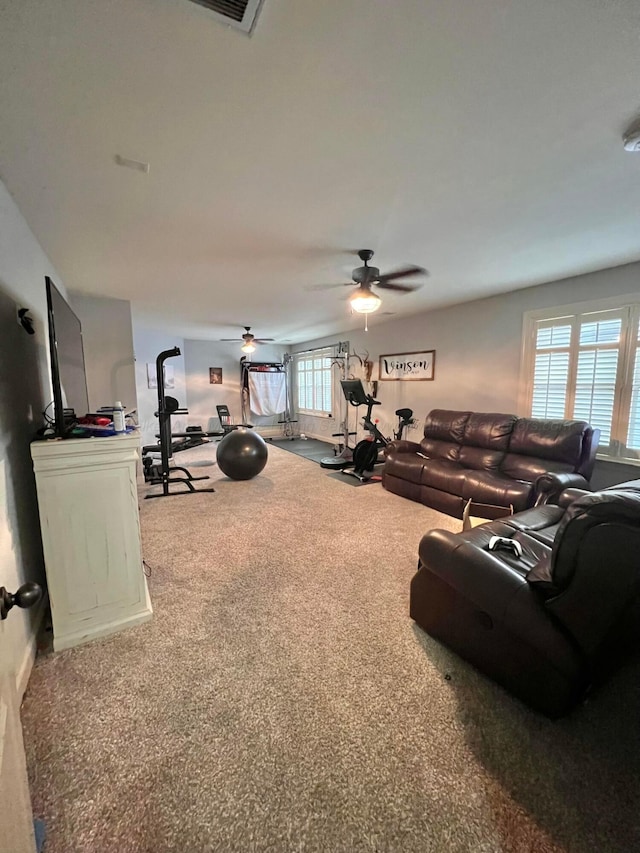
(68, 376)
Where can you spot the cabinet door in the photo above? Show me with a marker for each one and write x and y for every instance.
(93, 541)
(88, 506)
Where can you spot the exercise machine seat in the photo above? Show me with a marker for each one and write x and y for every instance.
(226, 421)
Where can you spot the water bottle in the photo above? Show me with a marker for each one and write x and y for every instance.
(118, 417)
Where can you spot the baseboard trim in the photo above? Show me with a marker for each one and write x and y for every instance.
(269, 431)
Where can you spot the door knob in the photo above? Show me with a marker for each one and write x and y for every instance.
(29, 594)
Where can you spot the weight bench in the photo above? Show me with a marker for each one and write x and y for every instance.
(226, 420)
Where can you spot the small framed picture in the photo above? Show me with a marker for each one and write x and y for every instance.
(215, 376)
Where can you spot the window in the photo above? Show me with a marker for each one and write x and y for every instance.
(586, 365)
(313, 382)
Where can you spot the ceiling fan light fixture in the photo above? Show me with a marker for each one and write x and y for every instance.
(364, 301)
(248, 347)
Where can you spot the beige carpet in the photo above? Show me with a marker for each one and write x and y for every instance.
(282, 700)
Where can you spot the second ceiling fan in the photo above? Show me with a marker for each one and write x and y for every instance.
(249, 340)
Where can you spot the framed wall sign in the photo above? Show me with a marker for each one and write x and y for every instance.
(408, 365)
(215, 376)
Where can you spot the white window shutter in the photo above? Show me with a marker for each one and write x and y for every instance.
(314, 382)
(633, 433)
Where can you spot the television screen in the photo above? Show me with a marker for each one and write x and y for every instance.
(70, 398)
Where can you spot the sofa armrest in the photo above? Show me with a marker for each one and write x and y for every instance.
(403, 446)
(549, 486)
(589, 450)
(568, 496)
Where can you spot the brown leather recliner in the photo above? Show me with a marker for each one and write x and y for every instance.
(546, 624)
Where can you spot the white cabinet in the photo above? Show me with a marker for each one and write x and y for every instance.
(88, 504)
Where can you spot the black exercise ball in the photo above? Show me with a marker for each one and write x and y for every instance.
(242, 454)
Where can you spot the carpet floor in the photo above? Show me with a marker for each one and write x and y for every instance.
(282, 700)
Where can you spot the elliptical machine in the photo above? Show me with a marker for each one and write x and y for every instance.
(366, 452)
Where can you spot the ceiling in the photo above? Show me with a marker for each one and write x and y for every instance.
(478, 138)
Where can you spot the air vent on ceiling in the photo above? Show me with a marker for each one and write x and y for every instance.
(241, 14)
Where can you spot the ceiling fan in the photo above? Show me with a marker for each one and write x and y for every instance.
(249, 340)
(363, 299)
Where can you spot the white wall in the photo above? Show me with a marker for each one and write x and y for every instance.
(202, 397)
(25, 390)
(478, 351)
(108, 349)
(148, 342)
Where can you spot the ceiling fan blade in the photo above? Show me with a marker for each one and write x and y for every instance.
(230, 340)
(263, 340)
(401, 288)
(328, 286)
(404, 272)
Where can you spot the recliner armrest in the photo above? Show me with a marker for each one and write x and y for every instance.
(482, 576)
(549, 486)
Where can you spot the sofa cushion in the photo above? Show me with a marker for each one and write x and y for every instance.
(556, 440)
(533, 550)
(491, 430)
(494, 488)
(540, 522)
(444, 475)
(479, 458)
(435, 449)
(486, 439)
(529, 468)
(406, 466)
(446, 425)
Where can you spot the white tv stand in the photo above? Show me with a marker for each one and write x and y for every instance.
(88, 503)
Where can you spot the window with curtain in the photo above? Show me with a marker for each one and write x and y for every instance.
(586, 365)
(314, 381)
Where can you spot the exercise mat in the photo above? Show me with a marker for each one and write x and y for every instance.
(310, 448)
(354, 481)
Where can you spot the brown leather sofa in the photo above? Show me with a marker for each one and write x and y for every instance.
(547, 624)
(490, 458)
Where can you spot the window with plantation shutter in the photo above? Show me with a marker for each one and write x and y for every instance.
(551, 370)
(585, 365)
(597, 373)
(633, 431)
(313, 382)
